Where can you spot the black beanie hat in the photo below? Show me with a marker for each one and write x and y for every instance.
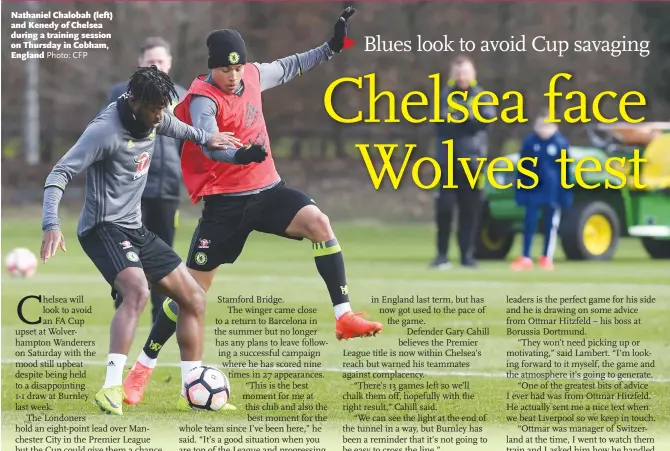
(226, 48)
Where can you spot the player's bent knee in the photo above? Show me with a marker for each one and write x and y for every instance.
(143, 295)
(312, 224)
(320, 229)
(136, 298)
(194, 301)
(317, 227)
(133, 288)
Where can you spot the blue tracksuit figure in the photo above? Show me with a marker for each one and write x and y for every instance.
(546, 144)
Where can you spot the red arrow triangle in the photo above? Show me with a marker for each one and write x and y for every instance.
(348, 43)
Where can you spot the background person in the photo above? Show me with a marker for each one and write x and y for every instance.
(469, 141)
(545, 143)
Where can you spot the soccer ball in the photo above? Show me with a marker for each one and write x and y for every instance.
(206, 388)
(20, 262)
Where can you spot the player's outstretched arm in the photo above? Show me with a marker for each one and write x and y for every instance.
(285, 69)
(93, 145)
(174, 128)
(52, 237)
(203, 114)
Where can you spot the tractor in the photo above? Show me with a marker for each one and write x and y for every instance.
(591, 228)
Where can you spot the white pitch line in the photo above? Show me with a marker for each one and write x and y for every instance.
(613, 286)
(347, 370)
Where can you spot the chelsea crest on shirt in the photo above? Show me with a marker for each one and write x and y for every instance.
(142, 161)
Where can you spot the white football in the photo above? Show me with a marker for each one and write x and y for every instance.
(206, 388)
(21, 262)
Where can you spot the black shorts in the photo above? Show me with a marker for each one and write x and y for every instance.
(227, 221)
(113, 248)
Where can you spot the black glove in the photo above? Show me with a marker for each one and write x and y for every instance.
(336, 43)
(254, 153)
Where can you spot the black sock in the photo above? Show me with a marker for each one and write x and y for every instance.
(164, 327)
(330, 264)
(157, 301)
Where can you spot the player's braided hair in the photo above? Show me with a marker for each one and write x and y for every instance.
(152, 86)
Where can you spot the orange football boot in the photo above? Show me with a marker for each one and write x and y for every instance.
(522, 264)
(136, 382)
(546, 263)
(351, 325)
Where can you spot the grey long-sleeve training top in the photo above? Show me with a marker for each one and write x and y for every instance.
(116, 166)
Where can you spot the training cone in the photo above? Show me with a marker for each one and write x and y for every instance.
(348, 43)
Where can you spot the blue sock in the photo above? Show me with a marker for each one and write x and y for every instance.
(529, 226)
(552, 219)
